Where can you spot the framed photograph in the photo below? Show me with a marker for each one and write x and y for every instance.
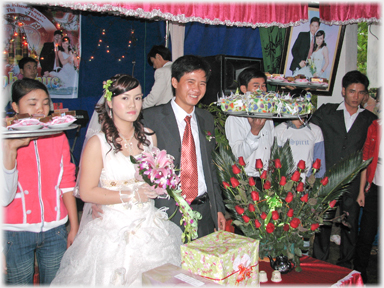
(313, 49)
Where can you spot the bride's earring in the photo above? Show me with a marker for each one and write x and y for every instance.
(110, 113)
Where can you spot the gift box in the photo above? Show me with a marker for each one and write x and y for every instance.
(170, 275)
(223, 257)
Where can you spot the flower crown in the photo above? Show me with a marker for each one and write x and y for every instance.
(107, 93)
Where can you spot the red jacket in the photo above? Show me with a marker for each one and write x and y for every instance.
(45, 171)
(371, 149)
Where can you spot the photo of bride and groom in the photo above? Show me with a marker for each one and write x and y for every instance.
(312, 53)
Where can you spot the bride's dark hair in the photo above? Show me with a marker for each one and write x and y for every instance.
(119, 84)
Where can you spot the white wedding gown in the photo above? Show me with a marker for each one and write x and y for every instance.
(318, 58)
(117, 248)
(68, 75)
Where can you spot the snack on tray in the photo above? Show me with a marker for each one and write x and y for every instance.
(290, 79)
(260, 102)
(233, 103)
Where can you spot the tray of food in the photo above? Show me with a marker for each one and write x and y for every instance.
(25, 125)
(297, 81)
(267, 115)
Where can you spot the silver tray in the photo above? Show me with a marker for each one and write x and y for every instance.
(265, 115)
(36, 133)
(306, 85)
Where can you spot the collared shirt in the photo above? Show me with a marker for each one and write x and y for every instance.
(250, 147)
(348, 118)
(180, 115)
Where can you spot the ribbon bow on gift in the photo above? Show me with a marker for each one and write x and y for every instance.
(244, 273)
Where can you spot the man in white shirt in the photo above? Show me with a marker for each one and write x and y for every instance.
(251, 138)
(160, 58)
(344, 128)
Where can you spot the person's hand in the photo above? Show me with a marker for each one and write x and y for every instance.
(302, 63)
(138, 194)
(361, 199)
(96, 211)
(71, 237)
(14, 144)
(256, 125)
(4, 263)
(220, 221)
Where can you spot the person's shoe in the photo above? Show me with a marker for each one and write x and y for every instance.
(336, 239)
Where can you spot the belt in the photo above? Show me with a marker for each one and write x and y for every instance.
(200, 199)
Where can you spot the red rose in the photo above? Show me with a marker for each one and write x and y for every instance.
(263, 215)
(277, 163)
(263, 175)
(246, 218)
(289, 197)
(283, 181)
(239, 209)
(267, 185)
(301, 165)
(300, 187)
(251, 181)
(236, 170)
(332, 203)
(225, 184)
(317, 164)
(324, 181)
(290, 213)
(304, 198)
(259, 164)
(241, 161)
(255, 196)
(251, 208)
(286, 227)
(275, 215)
(295, 223)
(270, 228)
(234, 182)
(257, 223)
(314, 226)
(296, 176)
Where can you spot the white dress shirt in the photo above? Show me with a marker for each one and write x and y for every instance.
(180, 115)
(348, 118)
(161, 91)
(250, 147)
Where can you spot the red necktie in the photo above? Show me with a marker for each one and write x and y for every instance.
(189, 183)
(311, 47)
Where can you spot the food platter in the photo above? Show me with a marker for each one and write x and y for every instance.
(265, 115)
(37, 133)
(303, 85)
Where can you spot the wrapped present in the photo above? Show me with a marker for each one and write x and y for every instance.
(170, 275)
(223, 257)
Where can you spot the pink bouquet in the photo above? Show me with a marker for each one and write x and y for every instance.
(157, 169)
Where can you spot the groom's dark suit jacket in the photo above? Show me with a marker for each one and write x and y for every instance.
(161, 119)
(300, 49)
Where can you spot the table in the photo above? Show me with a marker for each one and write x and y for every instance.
(315, 272)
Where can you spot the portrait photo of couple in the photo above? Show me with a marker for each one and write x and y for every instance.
(312, 48)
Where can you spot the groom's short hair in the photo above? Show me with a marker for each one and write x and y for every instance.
(315, 19)
(188, 64)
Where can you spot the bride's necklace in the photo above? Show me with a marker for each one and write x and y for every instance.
(128, 144)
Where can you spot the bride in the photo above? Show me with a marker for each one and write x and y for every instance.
(132, 236)
(68, 75)
(320, 58)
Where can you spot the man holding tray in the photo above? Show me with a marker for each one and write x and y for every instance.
(251, 138)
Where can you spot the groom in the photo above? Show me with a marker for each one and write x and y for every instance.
(190, 75)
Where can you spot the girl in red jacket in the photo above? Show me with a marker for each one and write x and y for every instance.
(38, 199)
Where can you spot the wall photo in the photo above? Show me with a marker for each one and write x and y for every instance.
(51, 37)
(312, 49)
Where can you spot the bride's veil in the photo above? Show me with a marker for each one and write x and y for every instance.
(94, 127)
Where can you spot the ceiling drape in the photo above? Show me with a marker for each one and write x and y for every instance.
(351, 13)
(229, 14)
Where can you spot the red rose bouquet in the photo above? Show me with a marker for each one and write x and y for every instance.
(286, 210)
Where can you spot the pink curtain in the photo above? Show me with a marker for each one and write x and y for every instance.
(343, 14)
(230, 14)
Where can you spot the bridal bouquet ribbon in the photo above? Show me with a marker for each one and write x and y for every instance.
(156, 168)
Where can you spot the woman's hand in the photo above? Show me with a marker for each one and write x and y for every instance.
(139, 194)
(10, 147)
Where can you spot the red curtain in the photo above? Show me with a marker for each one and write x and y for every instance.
(230, 14)
(342, 14)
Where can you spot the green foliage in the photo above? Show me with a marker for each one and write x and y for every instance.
(362, 41)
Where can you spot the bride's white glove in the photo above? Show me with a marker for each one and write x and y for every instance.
(138, 194)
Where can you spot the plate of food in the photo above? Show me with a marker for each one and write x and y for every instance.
(26, 127)
(45, 131)
(60, 125)
(301, 81)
